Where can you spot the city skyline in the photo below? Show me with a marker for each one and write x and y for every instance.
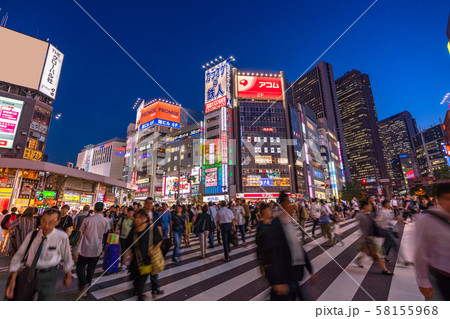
(177, 59)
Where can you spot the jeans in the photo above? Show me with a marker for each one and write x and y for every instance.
(83, 277)
(225, 229)
(177, 237)
(241, 229)
(202, 238)
(211, 237)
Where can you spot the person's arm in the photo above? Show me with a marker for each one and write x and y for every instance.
(83, 228)
(67, 260)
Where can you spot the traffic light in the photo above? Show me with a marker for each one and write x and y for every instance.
(41, 197)
(364, 181)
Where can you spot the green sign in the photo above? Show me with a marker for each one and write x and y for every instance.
(48, 194)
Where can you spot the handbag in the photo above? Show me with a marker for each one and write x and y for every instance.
(23, 274)
(234, 239)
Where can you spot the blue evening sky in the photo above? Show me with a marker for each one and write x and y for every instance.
(401, 45)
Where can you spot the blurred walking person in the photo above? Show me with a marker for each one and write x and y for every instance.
(239, 217)
(178, 229)
(21, 227)
(287, 258)
(433, 254)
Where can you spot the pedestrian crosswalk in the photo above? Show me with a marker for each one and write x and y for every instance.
(240, 279)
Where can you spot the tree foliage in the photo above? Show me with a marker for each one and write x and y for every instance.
(350, 189)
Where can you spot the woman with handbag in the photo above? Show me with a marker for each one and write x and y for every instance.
(145, 254)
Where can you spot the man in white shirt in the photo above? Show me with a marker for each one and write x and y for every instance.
(226, 222)
(212, 211)
(45, 252)
(92, 230)
(315, 212)
(239, 216)
(394, 204)
(355, 206)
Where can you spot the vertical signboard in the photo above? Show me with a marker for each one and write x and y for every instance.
(52, 70)
(217, 87)
(10, 111)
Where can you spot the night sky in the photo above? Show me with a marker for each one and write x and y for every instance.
(400, 44)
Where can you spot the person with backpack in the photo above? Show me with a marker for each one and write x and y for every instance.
(7, 240)
(202, 227)
(432, 256)
(75, 236)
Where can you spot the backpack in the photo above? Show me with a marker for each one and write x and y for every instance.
(7, 219)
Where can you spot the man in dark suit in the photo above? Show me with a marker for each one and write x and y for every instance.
(286, 254)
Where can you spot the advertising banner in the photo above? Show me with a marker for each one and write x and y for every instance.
(160, 113)
(211, 177)
(32, 155)
(217, 87)
(170, 185)
(52, 71)
(258, 87)
(10, 111)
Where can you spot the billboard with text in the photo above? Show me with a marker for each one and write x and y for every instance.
(259, 87)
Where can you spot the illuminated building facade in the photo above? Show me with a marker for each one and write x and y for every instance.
(359, 122)
(317, 89)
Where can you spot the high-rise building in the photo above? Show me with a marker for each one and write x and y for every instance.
(106, 158)
(396, 135)
(359, 122)
(431, 150)
(317, 89)
(29, 76)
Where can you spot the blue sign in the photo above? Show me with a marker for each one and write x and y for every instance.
(159, 122)
(120, 154)
(266, 181)
(402, 156)
(318, 174)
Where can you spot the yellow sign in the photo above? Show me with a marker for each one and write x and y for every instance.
(71, 197)
(5, 192)
(22, 202)
(32, 155)
(32, 144)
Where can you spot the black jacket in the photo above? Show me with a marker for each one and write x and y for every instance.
(204, 223)
(280, 256)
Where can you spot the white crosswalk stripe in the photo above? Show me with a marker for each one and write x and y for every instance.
(241, 279)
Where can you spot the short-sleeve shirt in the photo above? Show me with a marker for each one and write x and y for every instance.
(178, 222)
(224, 216)
(65, 223)
(238, 210)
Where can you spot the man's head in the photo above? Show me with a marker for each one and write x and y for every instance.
(50, 219)
(148, 204)
(395, 197)
(210, 203)
(14, 210)
(239, 202)
(112, 209)
(130, 211)
(99, 207)
(86, 208)
(386, 204)
(165, 206)
(443, 196)
(64, 210)
(365, 206)
(223, 203)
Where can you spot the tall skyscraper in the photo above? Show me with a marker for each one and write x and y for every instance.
(396, 135)
(359, 122)
(317, 90)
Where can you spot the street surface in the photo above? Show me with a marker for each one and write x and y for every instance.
(211, 279)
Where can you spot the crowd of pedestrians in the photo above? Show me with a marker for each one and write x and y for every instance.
(62, 237)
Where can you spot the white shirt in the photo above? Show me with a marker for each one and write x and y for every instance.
(294, 242)
(394, 203)
(432, 238)
(385, 219)
(55, 248)
(355, 205)
(315, 210)
(224, 216)
(239, 213)
(93, 229)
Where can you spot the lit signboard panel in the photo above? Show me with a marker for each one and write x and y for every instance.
(217, 87)
(211, 177)
(159, 113)
(10, 111)
(170, 185)
(258, 87)
(52, 71)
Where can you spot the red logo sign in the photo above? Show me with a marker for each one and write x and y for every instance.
(258, 87)
(3, 142)
(216, 104)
